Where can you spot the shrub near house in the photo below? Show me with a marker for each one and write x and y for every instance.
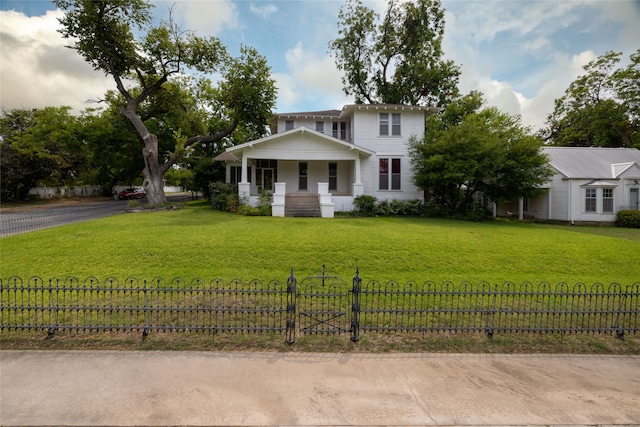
(628, 219)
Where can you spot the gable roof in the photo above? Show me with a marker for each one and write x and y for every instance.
(592, 162)
(300, 130)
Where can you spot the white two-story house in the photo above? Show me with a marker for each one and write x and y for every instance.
(330, 157)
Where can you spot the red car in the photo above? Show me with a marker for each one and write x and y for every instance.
(132, 193)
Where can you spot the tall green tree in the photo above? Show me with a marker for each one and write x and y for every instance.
(21, 165)
(103, 34)
(396, 59)
(113, 149)
(40, 146)
(469, 151)
(600, 108)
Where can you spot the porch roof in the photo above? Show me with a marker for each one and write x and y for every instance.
(226, 157)
(600, 183)
(302, 131)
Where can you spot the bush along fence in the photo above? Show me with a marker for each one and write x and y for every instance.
(322, 304)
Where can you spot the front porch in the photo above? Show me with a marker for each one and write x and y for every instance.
(298, 161)
(326, 185)
(304, 204)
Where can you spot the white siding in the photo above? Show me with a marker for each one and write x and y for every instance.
(305, 146)
(621, 195)
(367, 135)
(310, 123)
(539, 208)
(559, 199)
(578, 204)
(288, 172)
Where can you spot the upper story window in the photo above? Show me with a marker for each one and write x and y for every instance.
(390, 123)
(340, 130)
(320, 127)
(288, 124)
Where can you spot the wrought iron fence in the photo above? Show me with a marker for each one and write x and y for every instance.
(322, 304)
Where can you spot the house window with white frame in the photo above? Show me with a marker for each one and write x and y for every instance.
(590, 200)
(395, 124)
(607, 200)
(389, 174)
(333, 176)
(235, 173)
(288, 124)
(320, 127)
(339, 130)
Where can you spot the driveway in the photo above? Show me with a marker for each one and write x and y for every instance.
(120, 388)
(24, 220)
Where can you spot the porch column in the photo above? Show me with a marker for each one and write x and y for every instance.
(357, 164)
(243, 175)
(324, 198)
(277, 206)
(244, 187)
(520, 207)
(358, 186)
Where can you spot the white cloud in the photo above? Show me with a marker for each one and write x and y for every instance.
(204, 17)
(287, 93)
(625, 16)
(38, 70)
(482, 21)
(537, 46)
(524, 54)
(264, 11)
(555, 80)
(310, 76)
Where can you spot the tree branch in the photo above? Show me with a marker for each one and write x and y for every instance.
(213, 137)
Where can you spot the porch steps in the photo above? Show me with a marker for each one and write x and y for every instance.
(301, 205)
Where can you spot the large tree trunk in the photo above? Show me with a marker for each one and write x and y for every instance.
(153, 172)
(153, 183)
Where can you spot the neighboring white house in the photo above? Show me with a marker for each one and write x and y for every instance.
(590, 184)
(333, 155)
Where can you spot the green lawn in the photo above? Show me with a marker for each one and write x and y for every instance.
(199, 242)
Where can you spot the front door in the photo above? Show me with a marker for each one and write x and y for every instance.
(303, 176)
(333, 176)
(266, 174)
(633, 199)
(267, 179)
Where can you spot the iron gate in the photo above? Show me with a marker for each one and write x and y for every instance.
(320, 304)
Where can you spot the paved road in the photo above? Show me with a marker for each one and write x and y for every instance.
(27, 220)
(268, 389)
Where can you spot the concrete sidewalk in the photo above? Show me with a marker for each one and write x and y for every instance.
(97, 388)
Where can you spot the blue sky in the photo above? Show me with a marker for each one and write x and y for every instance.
(521, 54)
